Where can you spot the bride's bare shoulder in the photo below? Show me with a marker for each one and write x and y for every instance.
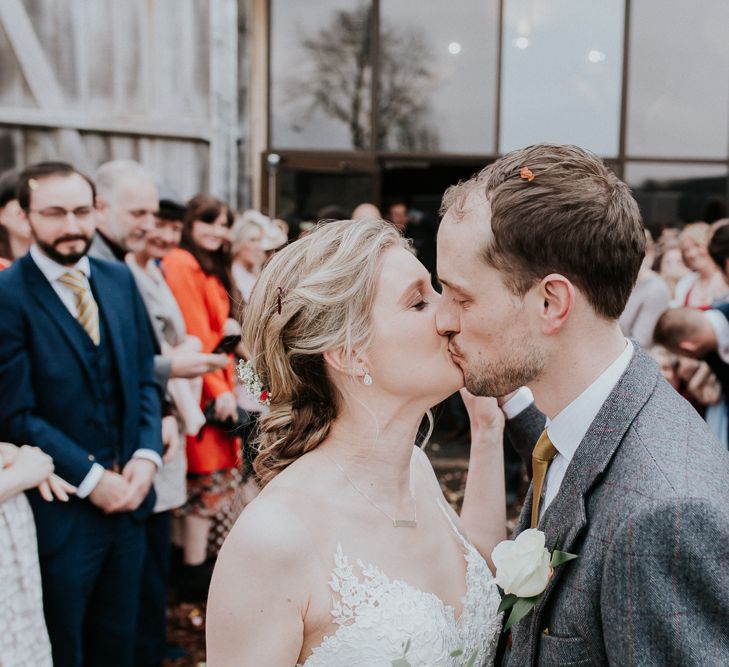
(270, 526)
(287, 518)
(261, 585)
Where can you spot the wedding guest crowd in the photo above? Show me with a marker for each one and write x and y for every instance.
(117, 298)
(699, 295)
(121, 425)
(77, 381)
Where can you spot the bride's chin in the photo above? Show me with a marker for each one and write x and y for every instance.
(450, 383)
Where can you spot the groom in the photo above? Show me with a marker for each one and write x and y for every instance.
(537, 255)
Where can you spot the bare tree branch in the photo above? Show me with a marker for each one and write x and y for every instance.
(334, 76)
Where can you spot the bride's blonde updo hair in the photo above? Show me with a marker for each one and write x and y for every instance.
(313, 296)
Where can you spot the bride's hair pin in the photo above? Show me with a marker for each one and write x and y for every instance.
(526, 174)
(279, 297)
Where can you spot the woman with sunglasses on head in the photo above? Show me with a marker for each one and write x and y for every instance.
(198, 273)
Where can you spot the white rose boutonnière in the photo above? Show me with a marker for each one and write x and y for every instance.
(524, 567)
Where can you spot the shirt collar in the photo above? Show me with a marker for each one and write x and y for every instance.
(114, 247)
(569, 427)
(53, 270)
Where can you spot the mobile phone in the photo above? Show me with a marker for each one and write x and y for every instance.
(226, 345)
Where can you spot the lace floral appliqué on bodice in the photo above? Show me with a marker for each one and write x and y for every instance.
(377, 617)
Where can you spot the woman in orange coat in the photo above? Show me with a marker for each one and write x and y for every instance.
(198, 273)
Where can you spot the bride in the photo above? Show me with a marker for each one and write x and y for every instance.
(350, 555)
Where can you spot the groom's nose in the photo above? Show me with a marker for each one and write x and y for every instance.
(446, 317)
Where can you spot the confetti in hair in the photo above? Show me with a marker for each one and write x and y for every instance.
(526, 174)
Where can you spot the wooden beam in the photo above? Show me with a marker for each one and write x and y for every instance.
(30, 54)
(224, 100)
(80, 19)
(39, 74)
(258, 102)
(104, 124)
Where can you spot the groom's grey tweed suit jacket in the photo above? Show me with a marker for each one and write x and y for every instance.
(645, 504)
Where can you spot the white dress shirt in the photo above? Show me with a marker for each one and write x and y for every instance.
(52, 272)
(519, 402)
(720, 325)
(569, 427)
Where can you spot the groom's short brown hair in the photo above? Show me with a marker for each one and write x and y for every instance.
(559, 209)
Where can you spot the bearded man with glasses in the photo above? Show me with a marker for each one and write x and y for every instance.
(76, 380)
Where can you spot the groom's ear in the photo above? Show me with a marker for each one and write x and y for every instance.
(557, 295)
(690, 347)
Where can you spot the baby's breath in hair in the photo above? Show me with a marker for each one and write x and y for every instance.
(252, 382)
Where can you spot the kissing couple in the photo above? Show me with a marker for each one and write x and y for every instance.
(350, 556)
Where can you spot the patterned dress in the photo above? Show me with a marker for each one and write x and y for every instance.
(23, 635)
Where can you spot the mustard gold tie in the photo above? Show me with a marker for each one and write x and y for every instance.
(544, 452)
(87, 310)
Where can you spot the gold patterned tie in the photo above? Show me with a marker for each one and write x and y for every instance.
(87, 311)
(544, 452)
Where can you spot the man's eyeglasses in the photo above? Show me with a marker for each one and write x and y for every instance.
(59, 214)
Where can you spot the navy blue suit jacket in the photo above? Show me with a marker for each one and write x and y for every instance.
(47, 397)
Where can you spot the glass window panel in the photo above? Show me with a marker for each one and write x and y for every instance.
(438, 72)
(670, 192)
(678, 97)
(561, 73)
(306, 195)
(321, 74)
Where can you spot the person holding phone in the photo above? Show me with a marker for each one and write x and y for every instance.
(198, 273)
(182, 416)
(227, 344)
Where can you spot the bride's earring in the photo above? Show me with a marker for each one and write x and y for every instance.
(367, 379)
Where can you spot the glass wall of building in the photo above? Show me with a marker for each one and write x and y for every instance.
(401, 88)
(561, 73)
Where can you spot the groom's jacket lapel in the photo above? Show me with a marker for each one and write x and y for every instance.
(565, 518)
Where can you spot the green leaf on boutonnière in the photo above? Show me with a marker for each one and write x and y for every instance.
(520, 609)
(458, 652)
(561, 557)
(400, 662)
(507, 602)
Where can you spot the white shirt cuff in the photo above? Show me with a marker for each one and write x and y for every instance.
(720, 325)
(90, 481)
(519, 402)
(150, 455)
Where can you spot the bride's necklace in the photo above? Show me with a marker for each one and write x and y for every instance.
(397, 523)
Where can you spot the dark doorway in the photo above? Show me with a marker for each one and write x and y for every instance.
(421, 186)
(308, 183)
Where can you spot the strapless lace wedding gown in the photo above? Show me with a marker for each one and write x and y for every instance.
(379, 617)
